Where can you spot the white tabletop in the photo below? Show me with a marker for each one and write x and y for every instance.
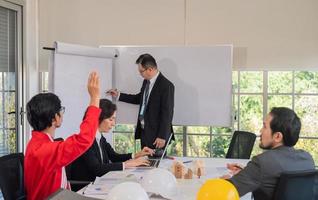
(187, 188)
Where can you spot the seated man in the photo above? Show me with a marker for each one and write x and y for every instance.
(280, 132)
(101, 158)
(45, 159)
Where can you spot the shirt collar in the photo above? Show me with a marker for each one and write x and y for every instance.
(98, 136)
(42, 135)
(153, 79)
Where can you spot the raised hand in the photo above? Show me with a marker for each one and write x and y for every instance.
(93, 88)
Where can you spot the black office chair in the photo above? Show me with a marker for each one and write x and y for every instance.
(297, 185)
(11, 176)
(241, 145)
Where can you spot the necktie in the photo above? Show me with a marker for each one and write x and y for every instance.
(145, 101)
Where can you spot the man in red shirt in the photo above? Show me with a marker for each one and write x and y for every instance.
(45, 159)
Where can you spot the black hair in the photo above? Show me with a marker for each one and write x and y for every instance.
(108, 109)
(41, 110)
(146, 61)
(287, 122)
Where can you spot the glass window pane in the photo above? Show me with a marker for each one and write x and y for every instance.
(12, 141)
(251, 82)
(235, 81)
(198, 146)
(3, 143)
(279, 101)
(198, 130)
(306, 82)
(7, 141)
(124, 128)
(306, 108)
(220, 145)
(222, 130)
(124, 142)
(176, 147)
(9, 110)
(178, 129)
(251, 113)
(280, 82)
(309, 145)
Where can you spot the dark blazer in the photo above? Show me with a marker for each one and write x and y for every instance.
(89, 165)
(159, 111)
(261, 174)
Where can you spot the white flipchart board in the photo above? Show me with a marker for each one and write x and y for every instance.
(202, 76)
(68, 79)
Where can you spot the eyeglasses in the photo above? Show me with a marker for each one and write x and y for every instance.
(62, 109)
(142, 71)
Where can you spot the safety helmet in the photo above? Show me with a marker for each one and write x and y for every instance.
(160, 181)
(217, 189)
(127, 191)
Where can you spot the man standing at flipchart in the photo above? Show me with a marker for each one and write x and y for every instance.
(156, 100)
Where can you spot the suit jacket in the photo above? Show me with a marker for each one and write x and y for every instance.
(159, 111)
(90, 165)
(261, 174)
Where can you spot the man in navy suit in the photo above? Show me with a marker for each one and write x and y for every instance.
(156, 103)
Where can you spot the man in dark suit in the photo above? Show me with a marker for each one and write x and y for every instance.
(280, 132)
(156, 100)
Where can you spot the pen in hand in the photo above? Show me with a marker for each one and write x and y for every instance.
(112, 92)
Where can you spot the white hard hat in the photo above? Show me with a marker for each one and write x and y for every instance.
(160, 181)
(127, 191)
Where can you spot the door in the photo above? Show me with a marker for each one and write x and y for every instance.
(10, 78)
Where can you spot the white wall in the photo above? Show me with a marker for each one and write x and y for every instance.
(271, 33)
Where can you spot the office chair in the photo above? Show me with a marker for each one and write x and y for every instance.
(241, 145)
(297, 185)
(11, 176)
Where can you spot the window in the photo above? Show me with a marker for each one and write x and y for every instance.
(10, 83)
(294, 89)
(192, 141)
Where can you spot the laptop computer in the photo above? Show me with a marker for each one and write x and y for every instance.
(154, 162)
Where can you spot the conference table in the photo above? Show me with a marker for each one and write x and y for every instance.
(187, 188)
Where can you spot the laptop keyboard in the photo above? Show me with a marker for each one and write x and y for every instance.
(153, 162)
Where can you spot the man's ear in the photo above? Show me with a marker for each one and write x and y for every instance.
(278, 137)
(54, 120)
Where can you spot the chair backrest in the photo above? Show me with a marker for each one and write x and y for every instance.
(11, 176)
(241, 145)
(297, 185)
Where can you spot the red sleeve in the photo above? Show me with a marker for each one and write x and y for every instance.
(66, 151)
